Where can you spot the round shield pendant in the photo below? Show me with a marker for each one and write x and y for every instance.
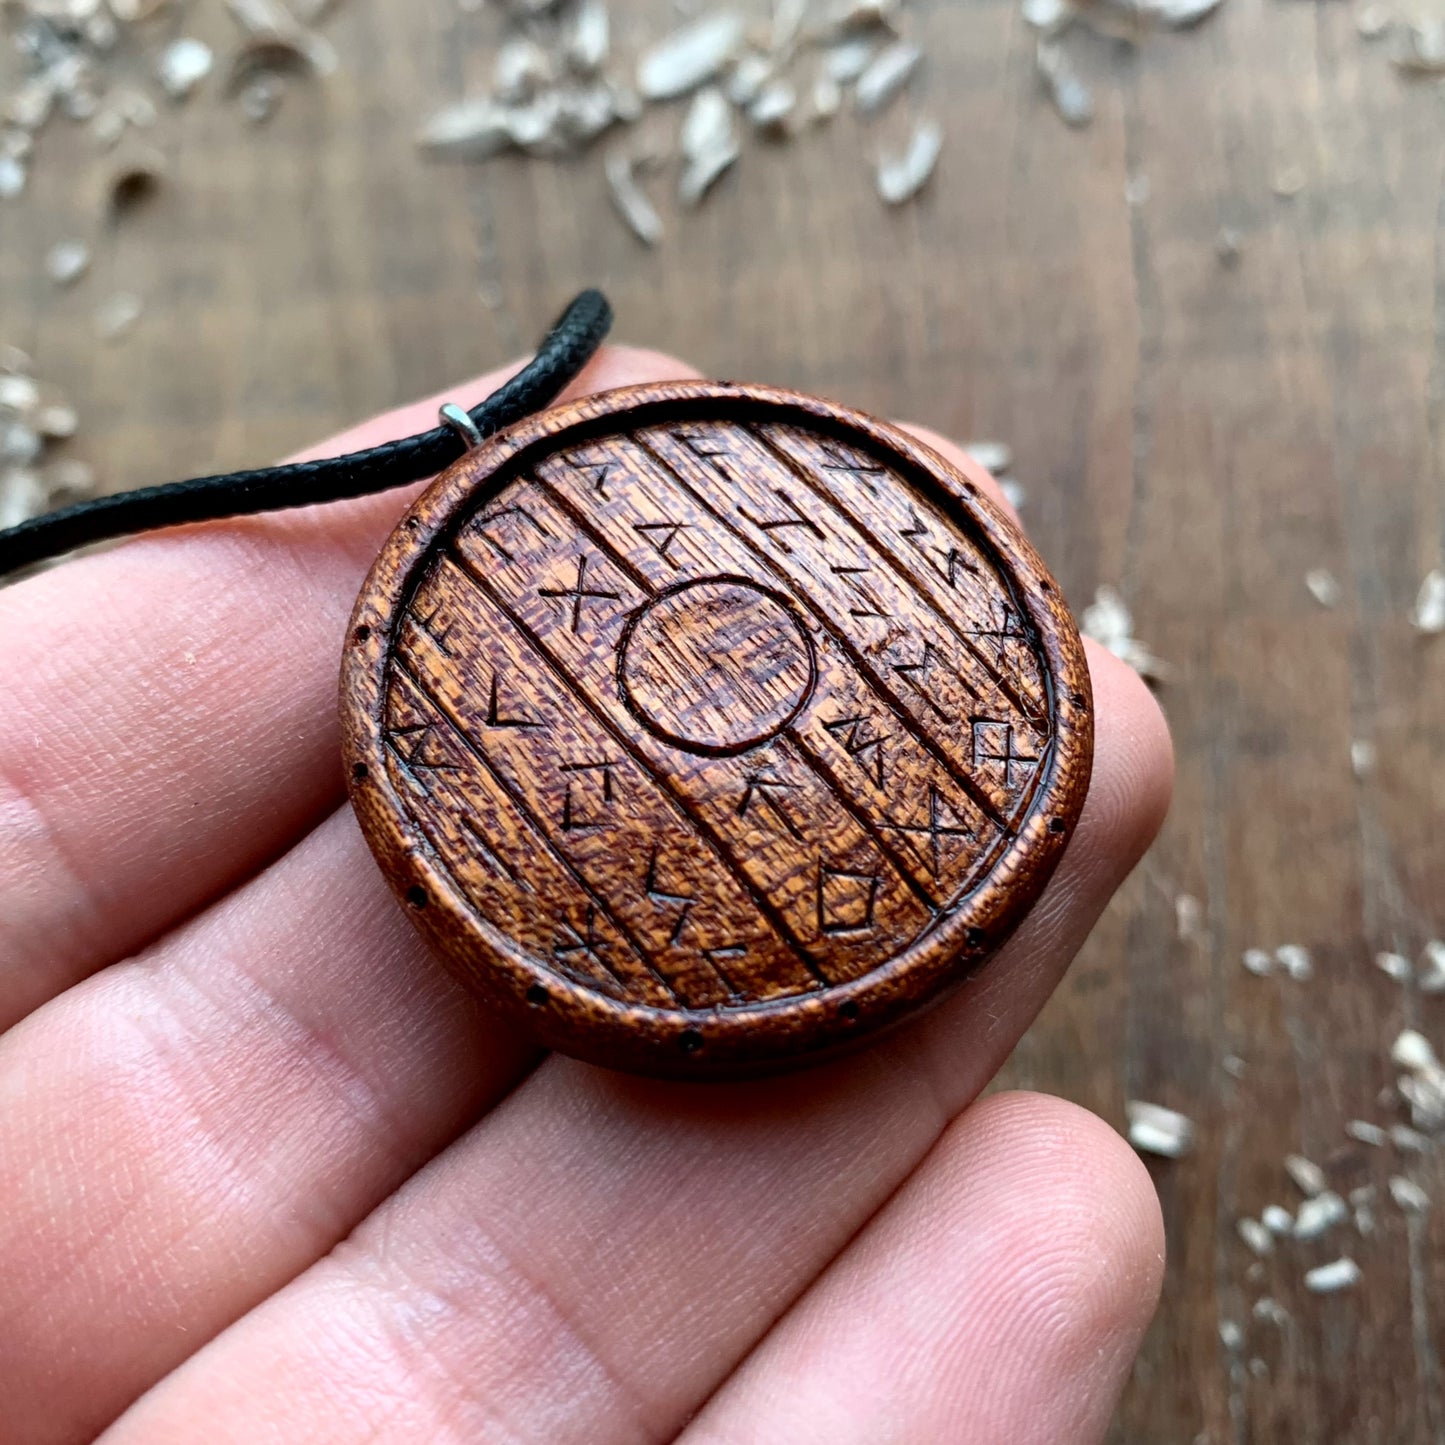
(706, 730)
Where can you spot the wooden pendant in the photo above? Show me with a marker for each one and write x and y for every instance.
(706, 729)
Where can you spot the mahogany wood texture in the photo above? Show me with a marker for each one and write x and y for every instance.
(707, 729)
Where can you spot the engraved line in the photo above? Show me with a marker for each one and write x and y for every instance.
(861, 817)
(522, 806)
(893, 560)
(865, 670)
(705, 830)
(433, 848)
(583, 523)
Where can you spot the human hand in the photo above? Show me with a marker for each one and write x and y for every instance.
(269, 1176)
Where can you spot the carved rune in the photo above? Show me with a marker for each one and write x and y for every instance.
(700, 448)
(721, 955)
(943, 824)
(867, 752)
(684, 902)
(584, 941)
(579, 593)
(1007, 630)
(988, 749)
(846, 900)
(919, 675)
(425, 755)
(763, 791)
(436, 635)
(793, 517)
(494, 718)
(601, 471)
(571, 823)
(660, 536)
(840, 461)
(953, 560)
(490, 519)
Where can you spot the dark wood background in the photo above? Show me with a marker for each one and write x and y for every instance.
(1196, 435)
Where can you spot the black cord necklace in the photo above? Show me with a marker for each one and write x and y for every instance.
(565, 351)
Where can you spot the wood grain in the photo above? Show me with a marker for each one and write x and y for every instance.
(1198, 436)
(709, 729)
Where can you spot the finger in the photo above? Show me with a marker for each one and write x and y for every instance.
(170, 715)
(592, 1260)
(181, 1135)
(999, 1298)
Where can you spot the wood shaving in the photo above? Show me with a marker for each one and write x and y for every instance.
(994, 457)
(1109, 622)
(773, 107)
(67, 261)
(1372, 22)
(1429, 614)
(32, 418)
(1189, 919)
(709, 144)
(470, 130)
(847, 60)
(826, 98)
(1339, 1274)
(522, 69)
(1255, 1235)
(1154, 1129)
(1318, 1215)
(901, 177)
(1228, 247)
(1277, 1219)
(629, 198)
(1231, 1336)
(1323, 587)
(1422, 1086)
(1070, 97)
(689, 57)
(13, 176)
(1412, 1050)
(1367, 1133)
(1408, 1140)
(1364, 756)
(589, 39)
(1422, 49)
(1432, 967)
(1259, 962)
(886, 76)
(1395, 966)
(183, 65)
(57, 421)
(1408, 1195)
(1234, 1066)
(1296, 961)
(1049, 17)
(748, 77)
(1307, 1175)
(1270, 1310)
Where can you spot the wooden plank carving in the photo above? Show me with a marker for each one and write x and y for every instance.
(708, 729)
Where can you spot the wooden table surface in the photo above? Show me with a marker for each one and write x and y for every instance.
(1198, 436)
